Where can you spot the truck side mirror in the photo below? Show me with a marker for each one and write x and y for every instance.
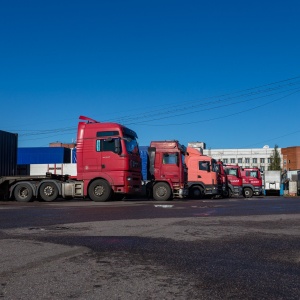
(118, 146)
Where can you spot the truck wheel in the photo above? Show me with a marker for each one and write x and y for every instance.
(48, 191)
(248, 193)
(161, 191)
(23, 192)
(196, 192)
(99, 190)
(225, 194)
(230, 193)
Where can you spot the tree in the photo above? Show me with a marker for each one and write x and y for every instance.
(275, 159)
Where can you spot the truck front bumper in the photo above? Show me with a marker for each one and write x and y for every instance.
(212, 190)
(238, 190)
(257, 191)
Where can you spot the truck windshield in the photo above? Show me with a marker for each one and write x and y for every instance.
(131, 144)
(215, 166)
(232, 171)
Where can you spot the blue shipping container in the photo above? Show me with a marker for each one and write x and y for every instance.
(145, 162)
(74, 157)
(44, 155)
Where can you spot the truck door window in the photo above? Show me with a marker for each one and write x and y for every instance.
(203, 165)
(105, 145)
(170, 159)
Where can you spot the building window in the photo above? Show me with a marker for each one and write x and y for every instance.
(262, 160)
(284, 162)
(232, 160)
(254, 160)
(269, 160)
(225, 160)
(240, 160)
(247, 160)
(262, 168)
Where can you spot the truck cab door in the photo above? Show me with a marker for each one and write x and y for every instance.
(108, 154)
(170, 168)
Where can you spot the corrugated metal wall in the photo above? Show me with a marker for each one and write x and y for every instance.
(8, 153)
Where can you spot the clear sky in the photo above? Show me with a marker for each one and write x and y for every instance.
(223, 72)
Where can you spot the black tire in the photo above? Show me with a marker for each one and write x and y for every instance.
(230, 193)
(100, 190)
(196, 192)
(225, 194)
(248, 193)
(23, 192)
(162, 191)
(48, 191)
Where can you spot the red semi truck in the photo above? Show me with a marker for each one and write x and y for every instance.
(244, 181)
(108, 165)
(235, 182)
(206, 177)
(165, 175)
(252, 182)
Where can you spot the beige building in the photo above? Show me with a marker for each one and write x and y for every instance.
(253, 157)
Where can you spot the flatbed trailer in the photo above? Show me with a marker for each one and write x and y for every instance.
(25, 188)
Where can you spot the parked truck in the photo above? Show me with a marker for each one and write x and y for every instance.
(235, 182)
(244, 181)
(164, 174)
(108, 165)
(252, 182)
(272, 182)
(204, 175)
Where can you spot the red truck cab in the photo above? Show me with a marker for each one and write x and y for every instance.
(203, 174)
(235, 182)
(108, 159)
(252, 182)
(167, 171)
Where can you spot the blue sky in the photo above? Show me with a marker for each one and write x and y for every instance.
(222, 72)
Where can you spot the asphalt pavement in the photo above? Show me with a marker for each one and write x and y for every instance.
(187, 249)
